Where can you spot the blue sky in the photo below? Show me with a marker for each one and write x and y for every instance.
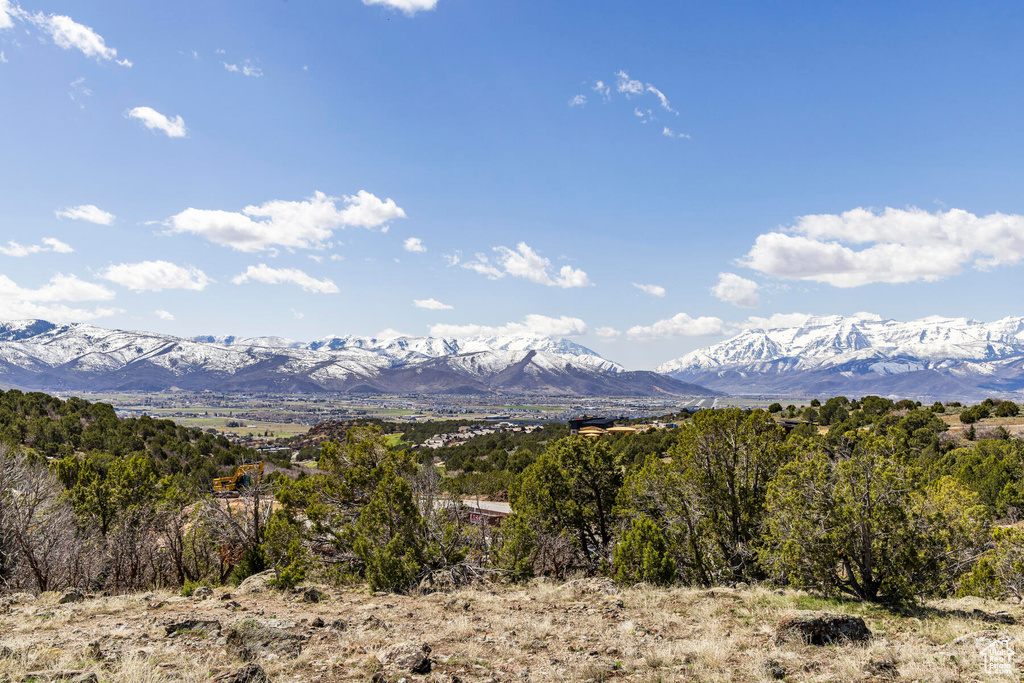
(643, 177)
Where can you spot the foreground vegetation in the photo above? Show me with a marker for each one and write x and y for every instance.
(874, 502)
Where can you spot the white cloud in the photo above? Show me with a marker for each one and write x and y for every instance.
(608, 333)
(276, 276)
(661, 96)
(337, 257)
(154, 120)
(3, 57)
(246, 69)
(68, 33)
(86, 212)
(154, 276)
(164, 315)
(902, 245)
(653, 290)
(627, 85)
(278, 223)
(410, 7)
(21, 302)
(414, 244)
(669, 133)
(774, 321)
(55, 245)
(524, 262)
(49, 244)
(6, 20)
(533, 324)
(737, 290)
(578, 101)
(126, 63)
(431, 305)
(679, 325)
(603, 89)
(299, 315)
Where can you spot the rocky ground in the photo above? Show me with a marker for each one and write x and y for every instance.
(584, 630)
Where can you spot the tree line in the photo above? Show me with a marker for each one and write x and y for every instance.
(876, 501)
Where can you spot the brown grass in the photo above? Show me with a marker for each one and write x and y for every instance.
(585, 630)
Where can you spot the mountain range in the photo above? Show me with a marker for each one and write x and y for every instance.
(36, 354)
(931, 358)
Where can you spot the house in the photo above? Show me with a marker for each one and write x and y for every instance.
(576, 424)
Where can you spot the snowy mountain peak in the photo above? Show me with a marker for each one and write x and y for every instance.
(961, 352)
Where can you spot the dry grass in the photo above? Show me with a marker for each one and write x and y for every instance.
(585, 630)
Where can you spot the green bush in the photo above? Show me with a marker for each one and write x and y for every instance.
(642, 556)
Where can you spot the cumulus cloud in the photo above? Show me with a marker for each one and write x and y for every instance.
(679, 325)
(67, 33)
(305, 224)
(533, 324)
(737, 291)
(653, 290)
(526, 263)
(86, 212)
(410, 7)
(431, 304)
(578, 101)
(276, 276)
(602, 89)
(48, 244)
(154, 276)
(154, 120)
(862, 247)
(6, 15)
(45, 302)
(414, 244)
(608, 333)
(164, 315)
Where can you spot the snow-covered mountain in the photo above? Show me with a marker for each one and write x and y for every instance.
(933, 357)
(36, 354)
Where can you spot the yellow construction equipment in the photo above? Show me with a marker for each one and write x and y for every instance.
(247, 476)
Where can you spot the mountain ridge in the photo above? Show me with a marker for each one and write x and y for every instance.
(81, 357)
(932, 357)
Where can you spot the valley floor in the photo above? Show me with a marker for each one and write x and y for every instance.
(579, 631)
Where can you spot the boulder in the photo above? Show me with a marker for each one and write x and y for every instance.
(204, 626)
(247, 673)
(257, 583)
(202, 592)
(248, 639)
(412, 656)
(311, 594)
(70, 596)
(821, 628)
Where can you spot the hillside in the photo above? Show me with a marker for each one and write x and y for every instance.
(932, 358)
(585, 630)
(76, 357)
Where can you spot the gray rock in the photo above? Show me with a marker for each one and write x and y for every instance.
(248, 638)
(821, 628)
(257, 583)
(311, 594)
(206, 626)
(70, 596)
(411, 656)
(247, 673)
